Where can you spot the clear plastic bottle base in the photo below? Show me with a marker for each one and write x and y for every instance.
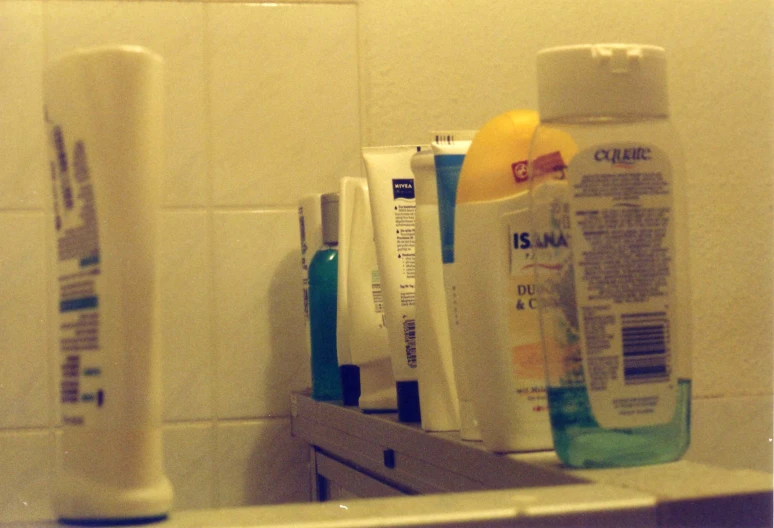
(580, 442)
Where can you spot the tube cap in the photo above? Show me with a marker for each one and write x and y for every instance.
(329, 204)
(602, 80)
(408, 401)
(423, 167)
(350, 384)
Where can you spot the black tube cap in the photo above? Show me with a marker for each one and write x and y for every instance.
(408, 401)
(350, 384)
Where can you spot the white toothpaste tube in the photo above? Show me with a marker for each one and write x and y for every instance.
(393, 207)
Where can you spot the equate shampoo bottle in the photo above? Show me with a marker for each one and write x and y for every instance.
(611, 250)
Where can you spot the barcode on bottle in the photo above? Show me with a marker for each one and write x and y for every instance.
(376, 292)
(645, 338)
(69, 385)
(69, 391)
(410, 338)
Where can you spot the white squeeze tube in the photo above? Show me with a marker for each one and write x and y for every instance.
(310, 232)
(368, 341)
(449, 148)
(349, 371)
(393, 207)
(435, 368)
(104, 109)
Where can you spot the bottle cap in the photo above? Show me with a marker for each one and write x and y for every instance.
(329, 205)
(408, 401)
(602, 80)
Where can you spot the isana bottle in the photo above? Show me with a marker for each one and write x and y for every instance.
(323, 286)
(496, 308)
(610, 237)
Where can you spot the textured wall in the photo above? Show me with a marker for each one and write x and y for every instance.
(267, 102)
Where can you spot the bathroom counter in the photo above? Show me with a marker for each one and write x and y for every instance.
(372, 471)
(587, 504)
(597, 506)
(373, 455)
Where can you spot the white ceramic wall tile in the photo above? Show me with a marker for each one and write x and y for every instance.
(25, 397)
(455, 66)
(284, 100)
(26, 469)
(733, 432)
(189, 461)
(260, 463)
(175, 31)
(186, 311)
(259, 307)
(23, 173)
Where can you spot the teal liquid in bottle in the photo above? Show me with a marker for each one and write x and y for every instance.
(323, 289)
(581, 442)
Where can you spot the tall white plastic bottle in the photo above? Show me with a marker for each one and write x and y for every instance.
(349, 371)
(310, 234)
(611, 258)
(368, 338)
(104, 111)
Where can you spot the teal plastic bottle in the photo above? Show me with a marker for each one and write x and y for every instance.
(323, 289)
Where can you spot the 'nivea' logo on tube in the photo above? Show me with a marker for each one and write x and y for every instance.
(403, 189)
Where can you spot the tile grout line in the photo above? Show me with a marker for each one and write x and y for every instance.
(224, 421)
(214, 339)
(51, 312)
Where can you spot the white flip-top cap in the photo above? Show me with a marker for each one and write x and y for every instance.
(602, 80)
